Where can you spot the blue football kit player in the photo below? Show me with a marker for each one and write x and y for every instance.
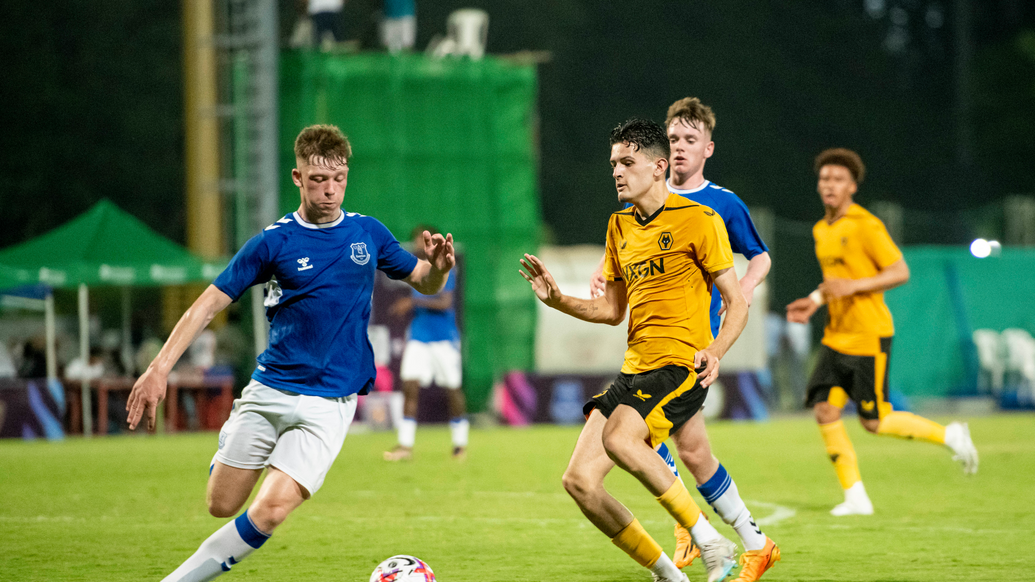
(318, 265)
(689, 125)
(432, 355)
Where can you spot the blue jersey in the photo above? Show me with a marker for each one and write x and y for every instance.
(434, 325)
(744, 238)
(320, 278)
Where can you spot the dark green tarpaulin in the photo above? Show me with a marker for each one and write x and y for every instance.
(447, 142)
(951, 293)
(103, 246)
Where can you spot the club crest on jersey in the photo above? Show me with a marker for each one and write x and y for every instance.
(665, 241)
(304, 262)
(359, 253)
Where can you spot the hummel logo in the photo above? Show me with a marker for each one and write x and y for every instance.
(639, 394)
(304, 261)
(709, 213)
(623, 244)
(867, 405)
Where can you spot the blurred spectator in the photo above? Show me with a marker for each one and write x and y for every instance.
(399, 26)
(33, 361)
(326, 17)
(147, 352)
(302, 33)
(92, 369)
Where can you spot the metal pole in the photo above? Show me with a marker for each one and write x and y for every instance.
(84, 355)
(964, 82)
(48, 319)
(127, 343)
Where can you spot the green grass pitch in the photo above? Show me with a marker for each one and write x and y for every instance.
(132, 508)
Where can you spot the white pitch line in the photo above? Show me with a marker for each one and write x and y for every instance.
(779, 513)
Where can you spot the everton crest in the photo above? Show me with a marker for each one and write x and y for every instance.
(359, 253)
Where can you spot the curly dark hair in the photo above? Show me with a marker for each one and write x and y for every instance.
(842, 157)
(643, 135)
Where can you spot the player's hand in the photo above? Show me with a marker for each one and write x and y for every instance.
(401, 307)
(801, 310)
(148, 391)
(596, 284)
(545, 287)
(439, 251)
(710, 362)
(837, 288)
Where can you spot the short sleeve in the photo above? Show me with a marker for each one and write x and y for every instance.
(744, 237)
(710, 243)
(879, 246)
(392, 259)
(250, 266)
(612, 269)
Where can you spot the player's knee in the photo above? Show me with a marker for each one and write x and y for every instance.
(870, 424)
(577, 484)
(826, 413)
(268, 514)
(617, 448)
(223, 507)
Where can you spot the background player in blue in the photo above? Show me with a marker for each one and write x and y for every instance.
(432, 354)
(689, 124)
(318, 264)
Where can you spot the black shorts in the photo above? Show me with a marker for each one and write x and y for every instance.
(864, 379)
(666, 398)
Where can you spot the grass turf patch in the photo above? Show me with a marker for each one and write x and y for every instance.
(132, 508)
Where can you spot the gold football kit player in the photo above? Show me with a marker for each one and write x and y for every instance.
(665, 261)
(857, 336)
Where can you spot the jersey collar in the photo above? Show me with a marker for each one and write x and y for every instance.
(681, 192)
(314, 226)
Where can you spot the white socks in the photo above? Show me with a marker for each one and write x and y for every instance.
(664, 569)
(230, 544)
(407, 432)
(721, 493)
(458, 429)
(704, 532)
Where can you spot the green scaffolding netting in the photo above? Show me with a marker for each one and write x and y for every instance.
(445, 142)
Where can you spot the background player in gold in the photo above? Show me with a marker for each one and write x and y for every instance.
(663, 256)
(859, 262)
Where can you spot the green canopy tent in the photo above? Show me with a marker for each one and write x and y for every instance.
(103, 246)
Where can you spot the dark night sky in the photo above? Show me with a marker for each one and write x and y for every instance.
(93, 101)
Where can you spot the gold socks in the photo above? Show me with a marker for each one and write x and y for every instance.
(635, 541)
(910, 426)
(841, 452)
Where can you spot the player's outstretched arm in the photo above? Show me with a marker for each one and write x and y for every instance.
(736, 318)
(150, 388)
(889, 277)
(801, 310)
(597, 282)
(609, 309)
(429, 276)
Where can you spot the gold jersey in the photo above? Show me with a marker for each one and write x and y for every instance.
(665, 262)
(856, 246)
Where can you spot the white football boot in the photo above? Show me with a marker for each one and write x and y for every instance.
(720, 557)
(857, 502)
(957, 438)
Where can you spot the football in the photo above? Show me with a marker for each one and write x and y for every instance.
(402, 569)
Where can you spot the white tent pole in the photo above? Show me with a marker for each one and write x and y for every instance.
(260, 328)
(48, 318)
(84, 354)
(127, 344)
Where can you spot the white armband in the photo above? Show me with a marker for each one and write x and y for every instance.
(817, 297)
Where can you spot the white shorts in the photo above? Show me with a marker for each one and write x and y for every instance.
(399, 33)
(298, 434)
(428, 362)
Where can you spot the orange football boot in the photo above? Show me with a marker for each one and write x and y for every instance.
(755, 562)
